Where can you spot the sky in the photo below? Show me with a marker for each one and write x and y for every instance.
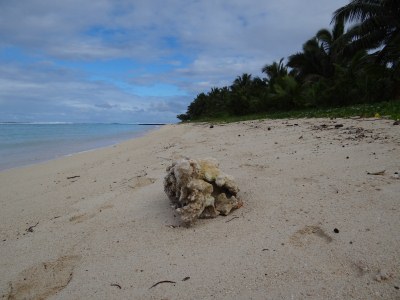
(132, 61)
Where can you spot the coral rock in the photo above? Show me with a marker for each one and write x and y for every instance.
(199, 189)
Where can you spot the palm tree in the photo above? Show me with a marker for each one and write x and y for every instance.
(242, 81)
(333, 42)
(377, 27)
(309, 64)
(274, 71)
(320, 54)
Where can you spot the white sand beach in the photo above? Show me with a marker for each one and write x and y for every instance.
(314, 225)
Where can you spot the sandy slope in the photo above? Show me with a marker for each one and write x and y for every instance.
(98, 225)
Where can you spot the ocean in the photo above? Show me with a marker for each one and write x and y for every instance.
(29, 143)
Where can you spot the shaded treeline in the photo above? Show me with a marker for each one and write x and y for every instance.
(336, 67)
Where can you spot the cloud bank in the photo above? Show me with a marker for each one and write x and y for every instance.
(128, 61)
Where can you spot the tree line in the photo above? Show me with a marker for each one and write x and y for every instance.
(336, 67)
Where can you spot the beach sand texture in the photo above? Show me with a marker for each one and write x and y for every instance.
(314, 225)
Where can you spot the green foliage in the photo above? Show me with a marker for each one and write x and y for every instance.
(334, 69)
(389, 109)
(286, 93)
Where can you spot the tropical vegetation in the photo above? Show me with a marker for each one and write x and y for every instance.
(357, 62)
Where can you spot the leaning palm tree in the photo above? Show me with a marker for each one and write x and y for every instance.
(332, 42)
(377, 27)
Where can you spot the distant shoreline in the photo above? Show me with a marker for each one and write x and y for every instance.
(152, 124)
(71, 123)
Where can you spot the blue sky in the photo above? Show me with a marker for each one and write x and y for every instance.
(139, 61)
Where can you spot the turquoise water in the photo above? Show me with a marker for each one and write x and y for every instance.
(24, 144)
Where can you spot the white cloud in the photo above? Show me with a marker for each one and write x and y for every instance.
(43, 96)
(135, 28)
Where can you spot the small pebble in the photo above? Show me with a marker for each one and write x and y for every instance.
(336, 230)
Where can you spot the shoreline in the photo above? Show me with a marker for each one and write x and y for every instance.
(56, 156)
(314, 223)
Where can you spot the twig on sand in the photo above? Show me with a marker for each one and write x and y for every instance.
(72, 177)
(30, 229)
(172, 226)
(116, 284)
(232, 219)
(162, 281)
(377, 173)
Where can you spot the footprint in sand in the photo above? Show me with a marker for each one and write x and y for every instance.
(104, 207)
(43, 280)
(84, 217)
(307, 180)
(81, 218)
(140, 181)
(134, 183)
(304, 236)
(254, 166)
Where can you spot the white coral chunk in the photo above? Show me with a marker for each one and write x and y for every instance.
(199, 189)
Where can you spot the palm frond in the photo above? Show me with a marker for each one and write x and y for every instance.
(357, 10)
(325, 37)
(338, 30)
